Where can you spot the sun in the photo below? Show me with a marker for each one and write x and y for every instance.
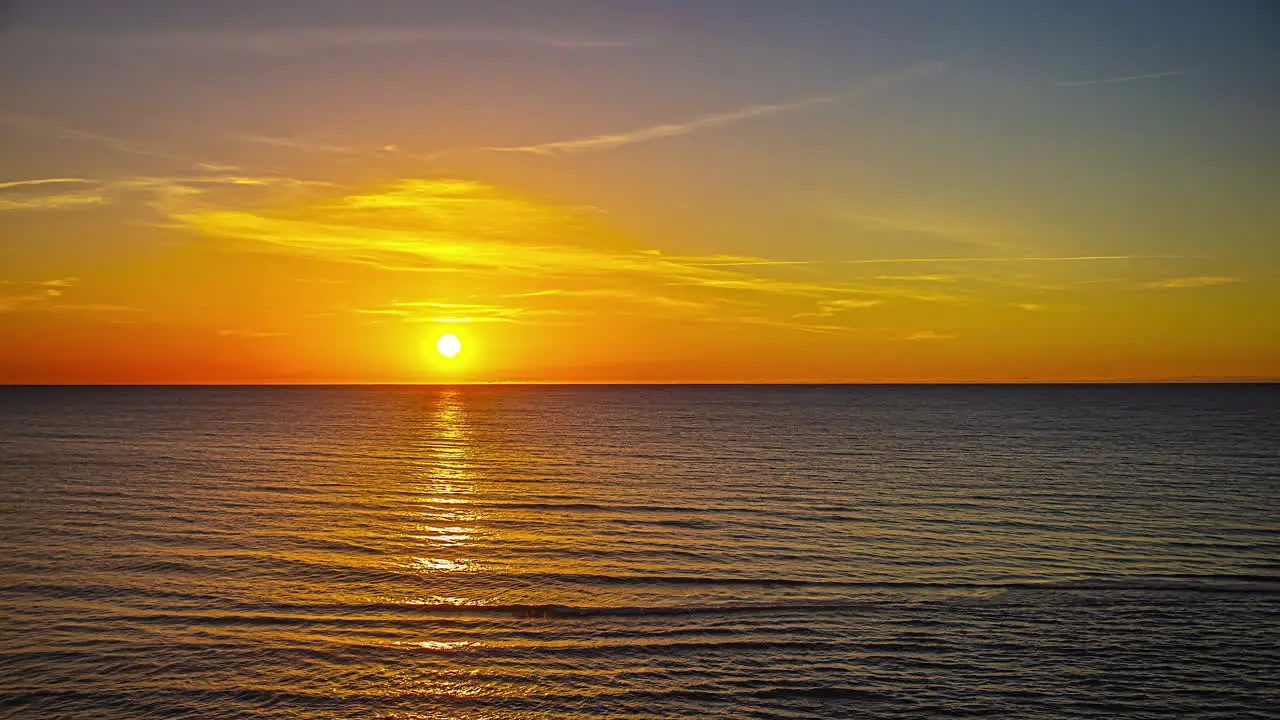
(448, 345)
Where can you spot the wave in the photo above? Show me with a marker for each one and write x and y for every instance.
(1176, 583)
(1250, 587)
(1182, 583)
(1169, 583)
(859, 598)
(551, 611)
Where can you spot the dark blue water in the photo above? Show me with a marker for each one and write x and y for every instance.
(640, 552)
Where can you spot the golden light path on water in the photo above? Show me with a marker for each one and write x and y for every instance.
(444, 526)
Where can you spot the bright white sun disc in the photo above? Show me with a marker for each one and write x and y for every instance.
(449, 345)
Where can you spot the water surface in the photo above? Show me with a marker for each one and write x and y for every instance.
(640, 552)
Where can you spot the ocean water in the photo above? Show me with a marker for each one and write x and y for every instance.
(640, 552)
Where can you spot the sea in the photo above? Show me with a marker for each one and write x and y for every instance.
(413, 552)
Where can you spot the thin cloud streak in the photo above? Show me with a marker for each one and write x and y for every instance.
(321, 147)
(614, 140)
(733, 261)
(668, 130)
(929, 335)
(420, 311)
(109, 142)
(1193, 282)
(35, 194)
(656, 132)
(994, 239)
(51, 202)
(1121, 79)
(916, 278)
(43, 181)
(299, 144)
(249, 334)
(97, 307)
(1073, 258)
(629, 296)
(835, 307)
(306, 40)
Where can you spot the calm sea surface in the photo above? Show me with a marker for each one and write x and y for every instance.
(640, 552)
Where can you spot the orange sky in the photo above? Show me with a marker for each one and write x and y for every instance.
(630, 196)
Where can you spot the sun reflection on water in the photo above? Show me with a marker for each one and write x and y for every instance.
(443, 564)
(449, 448)
(443, 530)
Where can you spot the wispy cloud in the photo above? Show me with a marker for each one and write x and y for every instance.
(57, 283)
(113, 143)
(249, 334)
(830, 308)
(928, 335)
(49, 194)
(665, 130)
(629, 137)
(1120, 79)
(96, 307)
(453, 312)
(1068, 258)
(50, 201)
(48, 296)
(109, 142)
(735, 261)
(11, 303)
(305, 40)
(523, 260)
(317, 146)
(917, 278)
(1193, 282)
(706, 122)
(43, 181)
(993, 238)
(626, 296)
(419, 225)
(300, 144)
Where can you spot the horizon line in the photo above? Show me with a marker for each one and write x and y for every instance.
(1226, 380)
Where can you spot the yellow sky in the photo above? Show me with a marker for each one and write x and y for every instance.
(275, 280)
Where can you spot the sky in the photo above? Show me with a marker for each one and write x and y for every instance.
(314, 191)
